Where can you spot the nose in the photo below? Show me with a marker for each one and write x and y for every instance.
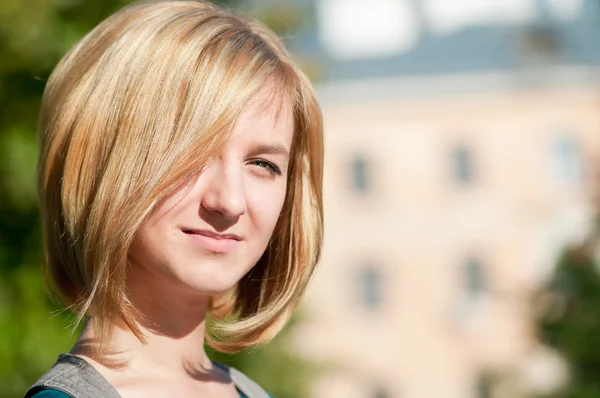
(224, 193)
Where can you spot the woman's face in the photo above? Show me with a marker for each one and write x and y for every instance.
(207, 235)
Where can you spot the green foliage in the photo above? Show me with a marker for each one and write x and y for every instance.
(34, 34)
(571, 322)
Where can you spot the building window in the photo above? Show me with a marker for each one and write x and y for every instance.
(370, 280)
(484, 387)
(380, 392)
(360, 175)
(475, 283)
(463, 165)
(567, 162)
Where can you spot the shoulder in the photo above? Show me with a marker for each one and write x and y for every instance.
(74, 377)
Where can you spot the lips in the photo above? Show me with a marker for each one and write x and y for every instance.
(211, 241)
(211, 234)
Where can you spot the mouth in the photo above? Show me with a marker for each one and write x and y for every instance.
(211, 234)
(211, 241)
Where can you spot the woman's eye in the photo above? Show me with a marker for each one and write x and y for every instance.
(268, 166)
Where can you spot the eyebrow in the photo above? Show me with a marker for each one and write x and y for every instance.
(267, 149)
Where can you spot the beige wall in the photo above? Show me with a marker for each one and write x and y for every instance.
(418, 226)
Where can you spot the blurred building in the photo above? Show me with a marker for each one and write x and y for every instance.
(461, 142)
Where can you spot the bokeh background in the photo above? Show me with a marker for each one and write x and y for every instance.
(461, 194)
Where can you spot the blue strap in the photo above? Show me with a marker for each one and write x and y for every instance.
(50, 393)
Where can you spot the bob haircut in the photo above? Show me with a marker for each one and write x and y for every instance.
(139, 106)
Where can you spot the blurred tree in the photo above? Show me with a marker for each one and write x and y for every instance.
(570, 320)
(34, 34)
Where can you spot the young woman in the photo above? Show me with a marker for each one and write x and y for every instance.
(180, 174)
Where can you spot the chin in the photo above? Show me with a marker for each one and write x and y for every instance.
(210, 283)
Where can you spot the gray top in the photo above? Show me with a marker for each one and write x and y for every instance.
(76, 377)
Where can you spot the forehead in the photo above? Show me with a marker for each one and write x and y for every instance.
(267, 117)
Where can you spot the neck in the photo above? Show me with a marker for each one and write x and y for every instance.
(173, 325)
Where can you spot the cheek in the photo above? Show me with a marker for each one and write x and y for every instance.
(143, 251)
(158, 229)
(265, 207)
(153, 242)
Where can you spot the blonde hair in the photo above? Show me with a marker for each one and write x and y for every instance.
(137, 106)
